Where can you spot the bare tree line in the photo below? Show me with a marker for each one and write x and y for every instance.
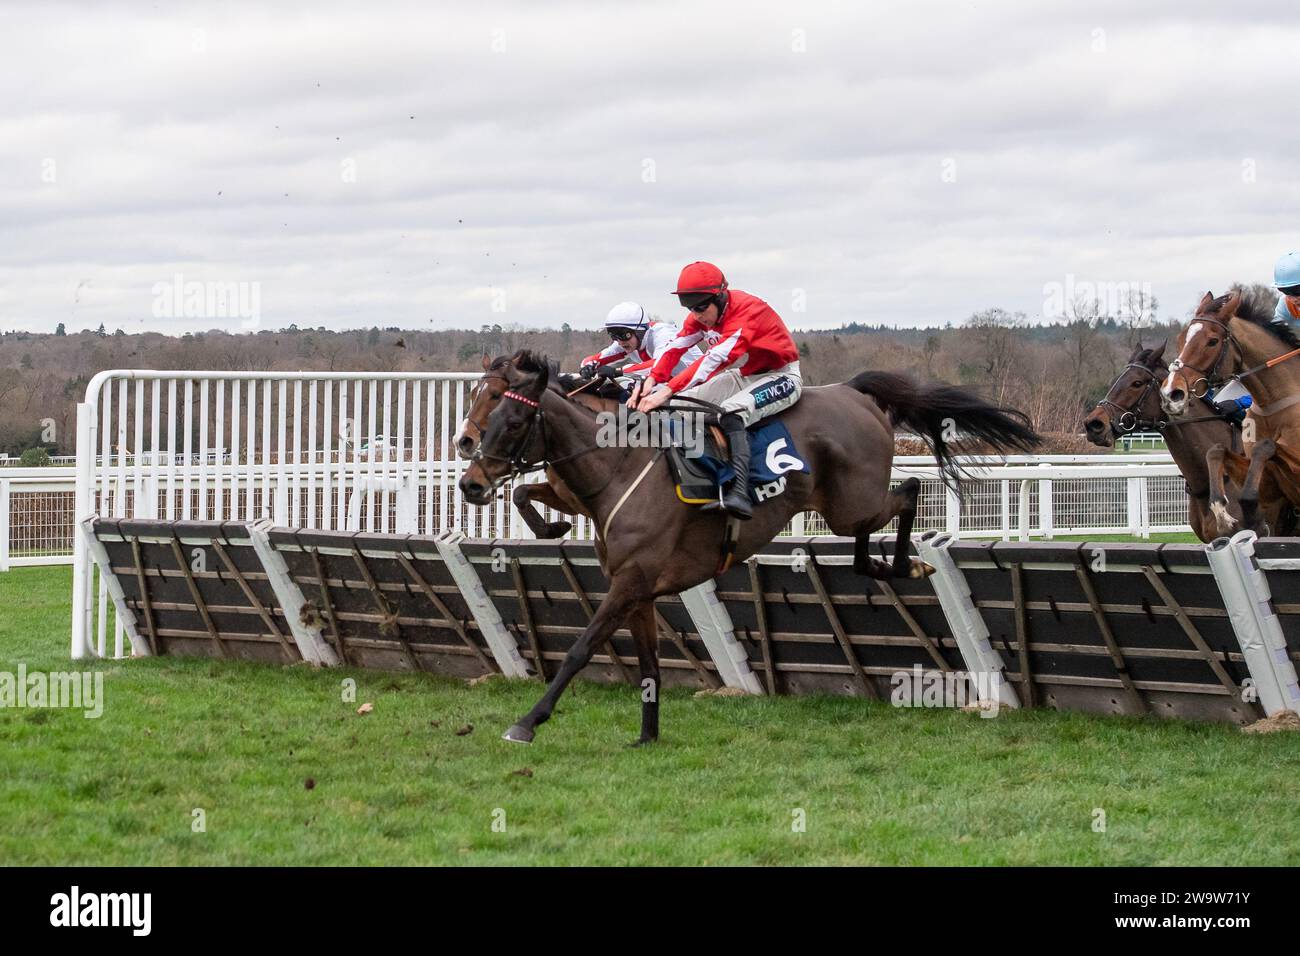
(1053, 372)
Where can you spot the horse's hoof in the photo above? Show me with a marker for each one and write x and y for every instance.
(558, 529)
(518, 735)
(1223, 519)
(641, 742)
(921, 569)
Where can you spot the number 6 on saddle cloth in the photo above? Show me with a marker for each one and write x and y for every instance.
(772, 455)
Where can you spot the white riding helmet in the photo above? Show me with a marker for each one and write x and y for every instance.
(627, 315)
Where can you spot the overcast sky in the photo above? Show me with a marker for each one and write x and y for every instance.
(450, 165)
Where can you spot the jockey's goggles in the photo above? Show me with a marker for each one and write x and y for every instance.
(697, 302)
(620, 335)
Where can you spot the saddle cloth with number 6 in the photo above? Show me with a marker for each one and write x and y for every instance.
(771, 455)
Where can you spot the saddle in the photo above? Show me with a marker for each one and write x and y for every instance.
(695, 478)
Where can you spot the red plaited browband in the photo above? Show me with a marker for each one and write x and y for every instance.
(520, 398)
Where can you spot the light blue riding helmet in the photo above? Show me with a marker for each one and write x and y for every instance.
(1286, 273)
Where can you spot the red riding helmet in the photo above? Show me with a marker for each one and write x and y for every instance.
(701, 277)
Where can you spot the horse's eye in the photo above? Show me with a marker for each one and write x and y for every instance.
(1214, 342)
(1134, 384)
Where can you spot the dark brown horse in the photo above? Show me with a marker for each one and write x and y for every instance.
(552, 493)
(1203, 445)
(655, 546)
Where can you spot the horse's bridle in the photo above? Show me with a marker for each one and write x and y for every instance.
(473, 397)
(516, 460)
(515, 457)
(1211, 377)
(519, 465)
(1118, 426)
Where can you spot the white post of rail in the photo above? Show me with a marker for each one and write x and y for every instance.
(968, 627)
(309, 637)
(1247, 597)
(83, 497)
(1024, 510)
(1132, 498)
(499, 640)
(5, 490)
(952, 511)
(1144, 505)
(713, 624)
(1005, 487)
(1046, 519)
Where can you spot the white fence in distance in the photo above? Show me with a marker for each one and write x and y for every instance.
(374, 451)
(1043, 500)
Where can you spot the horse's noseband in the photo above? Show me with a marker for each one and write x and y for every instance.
(515, 458)
(1211, 377)
(1128, 417)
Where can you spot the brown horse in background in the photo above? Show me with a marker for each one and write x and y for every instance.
(1235, 336)
(1203, 446)
(657, 546)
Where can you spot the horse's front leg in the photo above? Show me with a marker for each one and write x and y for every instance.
(1260, 456)
(526, 495)
(624, 594)
(1223, 518)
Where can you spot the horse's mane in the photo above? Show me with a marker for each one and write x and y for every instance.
(1257, 312)
(526, 360)
(1144, 358)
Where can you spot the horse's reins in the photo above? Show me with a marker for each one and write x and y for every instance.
(515, 458)
(1120, 429)
(518, 465)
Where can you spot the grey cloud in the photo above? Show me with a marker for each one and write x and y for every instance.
(524, 170)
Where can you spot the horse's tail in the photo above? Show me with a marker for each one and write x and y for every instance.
(941, 414)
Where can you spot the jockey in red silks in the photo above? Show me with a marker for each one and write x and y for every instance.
(750, 368)
(636, 341)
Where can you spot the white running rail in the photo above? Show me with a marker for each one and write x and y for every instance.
(375, 451)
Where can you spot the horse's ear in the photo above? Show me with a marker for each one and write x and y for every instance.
(1205, 303)
(1230, 307)
(487, 362)
(1157, 354)
(1136, 352)
(543, 377)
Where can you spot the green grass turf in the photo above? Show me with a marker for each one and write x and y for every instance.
(398, 786)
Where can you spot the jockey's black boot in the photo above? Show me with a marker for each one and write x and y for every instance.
(736, 499)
